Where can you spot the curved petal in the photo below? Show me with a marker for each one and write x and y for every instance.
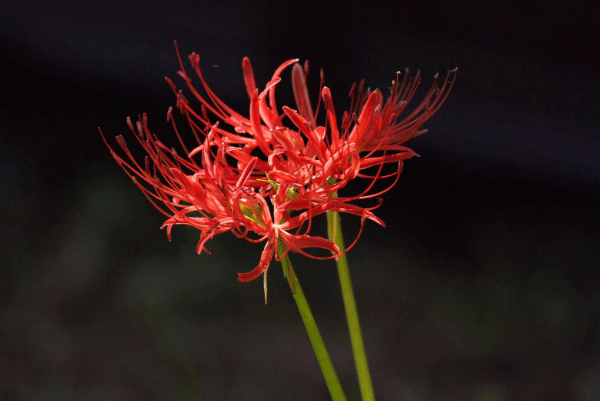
(265, 259)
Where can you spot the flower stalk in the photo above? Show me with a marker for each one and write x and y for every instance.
(334, 231)
(331, 378)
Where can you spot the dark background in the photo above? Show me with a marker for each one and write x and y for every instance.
(484, 285)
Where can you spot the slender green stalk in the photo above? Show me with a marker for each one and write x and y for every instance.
(334, 231)
(331, 378)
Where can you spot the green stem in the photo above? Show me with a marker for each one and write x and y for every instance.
(334, 231)
(331, 379)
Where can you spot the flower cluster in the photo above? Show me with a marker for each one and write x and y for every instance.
(264, 177)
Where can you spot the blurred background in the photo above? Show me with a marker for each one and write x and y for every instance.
(484, 285)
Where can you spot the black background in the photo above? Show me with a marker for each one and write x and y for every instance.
(483, 286)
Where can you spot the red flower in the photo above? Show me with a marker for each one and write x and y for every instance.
(217, 197)
(371, 133)
(265, 181)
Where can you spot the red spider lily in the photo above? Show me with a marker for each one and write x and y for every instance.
(217, 198)
(264, 181)
(371, 133)
(379, 125)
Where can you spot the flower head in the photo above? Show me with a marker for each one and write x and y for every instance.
(265, 176)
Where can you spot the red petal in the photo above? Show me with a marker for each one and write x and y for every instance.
(301, 94)
(248, 76)
(265, 259)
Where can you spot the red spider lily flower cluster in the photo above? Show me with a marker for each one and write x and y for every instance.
(264, 177)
